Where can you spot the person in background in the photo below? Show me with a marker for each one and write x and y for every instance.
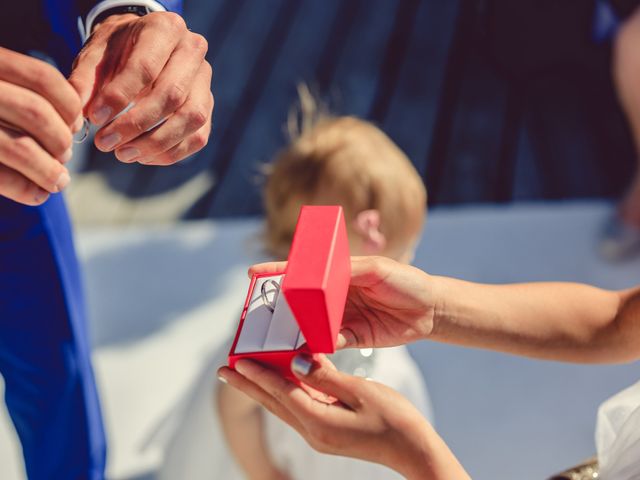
(134, 51)
(622, 234)
(330, 160)
(394, 304)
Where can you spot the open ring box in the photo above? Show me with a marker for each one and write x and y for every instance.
(299, 310)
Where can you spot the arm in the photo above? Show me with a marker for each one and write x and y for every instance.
(392, 304)
(242, 423)
(557, 321)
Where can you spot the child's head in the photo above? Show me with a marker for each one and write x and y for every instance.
(349, 162)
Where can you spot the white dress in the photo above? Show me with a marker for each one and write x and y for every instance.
(196, 449)
(618, 436)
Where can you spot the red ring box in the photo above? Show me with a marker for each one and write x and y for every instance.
(304, 314)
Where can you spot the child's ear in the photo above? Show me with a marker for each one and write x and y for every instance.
(367, 226)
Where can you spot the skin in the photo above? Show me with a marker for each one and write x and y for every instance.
(392, 304)
(626, 71)
(157, 63)
(369, 421)
(39, 111)
(154, 61)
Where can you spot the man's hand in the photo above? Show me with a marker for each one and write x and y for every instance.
(388, 304)
(39, 110)
(156, 63)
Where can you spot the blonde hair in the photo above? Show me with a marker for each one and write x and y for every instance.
(341, 161)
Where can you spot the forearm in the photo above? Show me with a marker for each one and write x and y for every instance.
(429, 457)
(558, 321)
(242, 424)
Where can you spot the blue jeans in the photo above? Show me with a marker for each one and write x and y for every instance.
(44, 346)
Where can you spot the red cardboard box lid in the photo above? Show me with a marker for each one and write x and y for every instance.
(318, 275)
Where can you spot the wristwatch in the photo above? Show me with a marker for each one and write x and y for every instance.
(114, 7)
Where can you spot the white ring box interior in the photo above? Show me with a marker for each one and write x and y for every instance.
(267, 331)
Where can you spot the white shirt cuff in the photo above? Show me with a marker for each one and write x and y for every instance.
(86, 26)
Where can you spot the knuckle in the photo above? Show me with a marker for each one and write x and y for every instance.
(51, 177)
(199, 43)
(200, 140)
(115, 95)
(155, 144)
(23, 148)
(60, 142)
(32, 110)
(175, 96)
(149, 69)
(197, 117)
(134, 123)
(173, 21)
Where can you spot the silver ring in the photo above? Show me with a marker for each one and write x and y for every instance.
(271, 305)
(84, 131)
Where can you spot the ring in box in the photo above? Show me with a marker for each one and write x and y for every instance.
(299, 310)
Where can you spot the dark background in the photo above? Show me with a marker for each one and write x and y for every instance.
(493, 101)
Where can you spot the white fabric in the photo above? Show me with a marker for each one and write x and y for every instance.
(618, 436)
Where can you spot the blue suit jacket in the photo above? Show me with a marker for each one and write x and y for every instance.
(49, 26)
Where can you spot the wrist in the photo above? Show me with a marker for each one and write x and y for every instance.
(114, 19)
(426, 455)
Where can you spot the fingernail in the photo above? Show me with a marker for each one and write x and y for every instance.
(101, 115)
(77, 125)
(345, 339)
(127, 154)
(66, 156)
(110, 141)
(145, 161)
(41, 196)
(301, 365)
(63, 181)
(222, 379)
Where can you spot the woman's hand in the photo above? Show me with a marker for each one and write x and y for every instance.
(388, 304)
(39, 110)
(368, 421)
(155, 62)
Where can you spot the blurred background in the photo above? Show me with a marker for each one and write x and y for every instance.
(493, 101)
(508, 111)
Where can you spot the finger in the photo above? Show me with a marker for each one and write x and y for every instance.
(192, 144)
(268, 267)
(347, 339)
(249, 388)
(19, 188)
(323, 376)
(23, 154)
(369, 271)
(297, 402)
(152, 39)
(84, 75)
(183, 88)
(42, 79)
(31, 113)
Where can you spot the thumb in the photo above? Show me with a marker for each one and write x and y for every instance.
(320, 374)
(84, 75)
(346, 339)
